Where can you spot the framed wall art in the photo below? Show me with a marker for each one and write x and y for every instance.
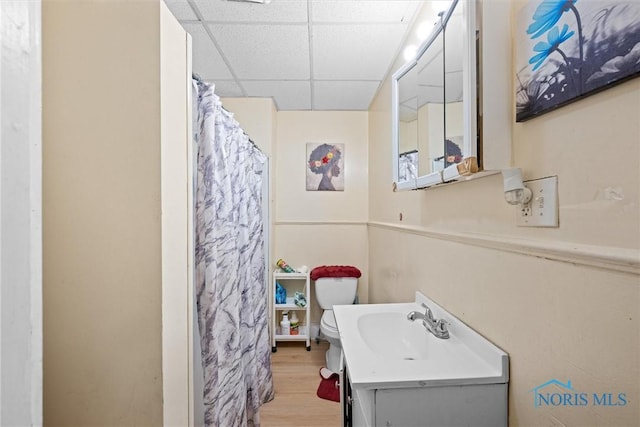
(569, 49)
(325, 167)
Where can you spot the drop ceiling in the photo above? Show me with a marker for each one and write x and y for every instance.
(305, 54)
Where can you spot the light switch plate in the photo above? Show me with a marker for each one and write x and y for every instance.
(542, 209)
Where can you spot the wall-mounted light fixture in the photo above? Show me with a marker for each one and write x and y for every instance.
(515, 192)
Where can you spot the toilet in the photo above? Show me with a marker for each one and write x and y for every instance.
(332, 291)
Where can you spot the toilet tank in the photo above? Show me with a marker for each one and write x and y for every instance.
(332, 291)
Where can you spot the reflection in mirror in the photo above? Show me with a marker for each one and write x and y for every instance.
(434, 103)
(430, 95)
(454, 105)
(418, 111)
(407, 165)
(408, 127)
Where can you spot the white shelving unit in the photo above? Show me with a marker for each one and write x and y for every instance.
(292, 282)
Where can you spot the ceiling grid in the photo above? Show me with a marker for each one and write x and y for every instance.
(305, 54)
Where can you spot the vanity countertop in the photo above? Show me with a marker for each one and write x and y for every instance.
(384, 349)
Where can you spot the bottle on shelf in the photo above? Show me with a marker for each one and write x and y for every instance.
(295, 323)
(284, 266)
(285, 325)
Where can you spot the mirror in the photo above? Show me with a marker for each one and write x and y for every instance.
(430, 91)
(453, 118)
(434, 103)
(408, 127)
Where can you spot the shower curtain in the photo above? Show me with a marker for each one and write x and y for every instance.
(230, 290)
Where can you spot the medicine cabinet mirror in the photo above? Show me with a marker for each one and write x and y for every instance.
(434, 104)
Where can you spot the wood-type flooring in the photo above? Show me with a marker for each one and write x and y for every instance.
(296, 378)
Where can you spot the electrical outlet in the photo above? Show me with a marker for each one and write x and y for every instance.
(542, 209)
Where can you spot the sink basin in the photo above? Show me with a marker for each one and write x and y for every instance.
(404, 339)
(382, 348)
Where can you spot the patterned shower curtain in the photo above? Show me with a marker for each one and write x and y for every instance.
(230, 289)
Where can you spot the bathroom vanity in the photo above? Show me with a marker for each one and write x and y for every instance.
(398, 373)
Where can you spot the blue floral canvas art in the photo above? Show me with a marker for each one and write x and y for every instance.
(569, 49)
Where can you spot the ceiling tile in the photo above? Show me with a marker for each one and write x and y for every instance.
(430, 77)
(287, 95)
(357, 52)
(407, 112)
(267, 48)
(363, 11)
(343, 95)
(207, 61)
(181, 10)
(226, 88)
(265, 52)
(233, 11)
(430, 94)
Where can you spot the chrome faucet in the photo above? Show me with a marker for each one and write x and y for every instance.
(437, 327)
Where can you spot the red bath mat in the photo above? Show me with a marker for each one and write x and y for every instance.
(329, 388)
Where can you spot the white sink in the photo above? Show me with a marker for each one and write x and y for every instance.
(382, 348)
(404, 340)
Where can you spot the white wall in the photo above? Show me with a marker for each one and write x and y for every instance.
(322, 227)
(563, 302)
(103, 132)
(177, 224)
(312, 227)
(407, 136)
(295, 130)
(20, 214)
(257, 117)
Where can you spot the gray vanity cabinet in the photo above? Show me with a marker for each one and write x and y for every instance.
(397, 372)
(456, 405)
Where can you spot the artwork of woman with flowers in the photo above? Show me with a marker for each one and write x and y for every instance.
(567, 49)
(324, 164)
